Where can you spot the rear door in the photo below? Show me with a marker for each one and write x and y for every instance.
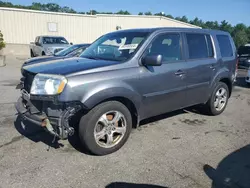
(201, 67)
(163, 87)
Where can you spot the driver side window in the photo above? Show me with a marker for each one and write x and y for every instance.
(167, 45)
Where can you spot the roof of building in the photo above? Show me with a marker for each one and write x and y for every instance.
(97, 15)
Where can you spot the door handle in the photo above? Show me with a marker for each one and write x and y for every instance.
(212, 67)
(179, 73)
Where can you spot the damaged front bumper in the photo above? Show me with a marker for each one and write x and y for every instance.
(53, 117)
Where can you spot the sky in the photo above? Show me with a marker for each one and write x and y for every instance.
(233, 11)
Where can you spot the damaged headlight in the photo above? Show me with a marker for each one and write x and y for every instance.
(46, 84)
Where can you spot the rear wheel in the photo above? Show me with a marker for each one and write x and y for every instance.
(105, 128)
(218, 100)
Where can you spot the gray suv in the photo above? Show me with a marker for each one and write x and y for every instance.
(125, 77)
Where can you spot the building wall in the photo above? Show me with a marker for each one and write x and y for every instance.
(21, 26)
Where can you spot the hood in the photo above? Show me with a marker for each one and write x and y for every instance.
(67, 66)
(41, 59)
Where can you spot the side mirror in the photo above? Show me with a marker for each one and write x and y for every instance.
(154, 60)
(38, 44)
(71, 43)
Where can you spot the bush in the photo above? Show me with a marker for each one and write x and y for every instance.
(2, 43)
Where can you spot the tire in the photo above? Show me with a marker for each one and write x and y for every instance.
(43, 54)
(211, 106)
(31, 54)
(89, 123)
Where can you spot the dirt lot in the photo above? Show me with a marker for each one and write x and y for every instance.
(183, 149)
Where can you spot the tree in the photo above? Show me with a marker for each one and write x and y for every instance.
(169, 16)
(2, 43)
(159, 14)
(123, 12)
(197, 22)
(225, 26)
(148, 13)
(184, 19)
(240, 35)
(140, 13)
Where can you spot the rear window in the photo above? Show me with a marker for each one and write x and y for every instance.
(199, 46)
(225, 46)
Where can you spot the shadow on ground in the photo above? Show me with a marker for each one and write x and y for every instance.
(233, 171)
(38, 134)
(131, 185)
(161, 117)
(35, 133)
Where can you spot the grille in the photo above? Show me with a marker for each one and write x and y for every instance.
(28, 79)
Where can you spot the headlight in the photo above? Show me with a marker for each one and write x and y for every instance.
(49, 50)
(45, 84)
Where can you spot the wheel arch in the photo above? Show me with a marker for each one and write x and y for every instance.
(229, 84)
(127, 97)
(223, 76)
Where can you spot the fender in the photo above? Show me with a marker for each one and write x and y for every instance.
(106, 91)
(220, 74)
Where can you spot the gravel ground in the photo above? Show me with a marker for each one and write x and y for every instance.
(183, 149)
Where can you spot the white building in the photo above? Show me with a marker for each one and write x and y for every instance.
(21, 26)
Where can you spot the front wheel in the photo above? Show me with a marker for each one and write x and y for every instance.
(218, 100)
(105, 128)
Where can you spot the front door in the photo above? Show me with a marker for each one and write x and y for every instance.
(201, 67)
(163, 87)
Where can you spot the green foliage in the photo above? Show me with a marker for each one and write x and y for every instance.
(2, 43)
(240, 32)
(148, 13)
(123, 12)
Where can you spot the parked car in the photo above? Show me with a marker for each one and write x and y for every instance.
(47, 45)
(244, 56)
(71, 51)
(248, 77)
(125, 77)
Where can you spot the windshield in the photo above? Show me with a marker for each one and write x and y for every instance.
(54, 40)
(119, 46)
(244, 50)
(66, 51)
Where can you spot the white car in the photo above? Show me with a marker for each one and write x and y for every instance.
(248, 76)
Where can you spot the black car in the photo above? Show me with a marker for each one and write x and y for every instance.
(72, 51)
(244, 56)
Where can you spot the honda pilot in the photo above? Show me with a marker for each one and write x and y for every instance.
(127, 76)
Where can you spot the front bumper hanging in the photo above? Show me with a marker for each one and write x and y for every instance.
(57, 126)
